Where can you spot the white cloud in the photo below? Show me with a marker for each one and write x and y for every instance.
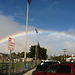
(70, 46)
(53, 44)
(8, 26)
(53, 41)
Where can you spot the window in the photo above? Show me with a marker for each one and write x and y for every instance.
(53, 69)
(65, 69)
(47, 63)
(60, 69)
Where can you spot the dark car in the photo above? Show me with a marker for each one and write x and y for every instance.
(58, 69)
(44, 65)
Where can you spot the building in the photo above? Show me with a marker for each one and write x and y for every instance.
(71, 59)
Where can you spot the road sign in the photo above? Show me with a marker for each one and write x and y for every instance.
(11, 43)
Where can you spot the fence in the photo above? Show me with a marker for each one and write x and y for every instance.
(17, 65)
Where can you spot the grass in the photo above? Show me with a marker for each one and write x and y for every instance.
(18, 67)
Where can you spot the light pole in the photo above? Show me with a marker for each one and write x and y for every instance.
(26, 30)
(36, 52)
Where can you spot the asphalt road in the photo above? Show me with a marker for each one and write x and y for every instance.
(29, 72)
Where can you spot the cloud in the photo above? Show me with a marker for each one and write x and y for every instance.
(8, 26)
(70, 46)
(53, 41)
(4, 48)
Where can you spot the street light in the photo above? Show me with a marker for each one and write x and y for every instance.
(26, 30)
(36, 48)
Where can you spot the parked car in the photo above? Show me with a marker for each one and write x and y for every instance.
(44, 65)
(58, 69)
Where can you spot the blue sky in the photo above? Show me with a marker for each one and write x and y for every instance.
(56, 17)
(44, 14)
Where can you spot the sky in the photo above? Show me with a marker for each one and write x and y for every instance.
(54, 20)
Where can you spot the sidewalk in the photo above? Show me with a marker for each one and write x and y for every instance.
(29, 72)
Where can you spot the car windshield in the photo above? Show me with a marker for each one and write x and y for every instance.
(49, 63)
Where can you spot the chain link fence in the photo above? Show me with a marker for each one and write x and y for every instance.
(17, 65)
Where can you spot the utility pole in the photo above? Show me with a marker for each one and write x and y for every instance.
(65, 54)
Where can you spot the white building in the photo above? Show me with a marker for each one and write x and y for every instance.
(71, 59)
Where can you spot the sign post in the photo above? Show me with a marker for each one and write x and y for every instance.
(11, 47)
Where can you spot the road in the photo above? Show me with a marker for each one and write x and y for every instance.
(29, 72)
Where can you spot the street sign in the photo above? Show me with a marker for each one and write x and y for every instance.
(11, 43)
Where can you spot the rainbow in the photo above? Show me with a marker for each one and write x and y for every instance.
(14, 36)
(62, 34)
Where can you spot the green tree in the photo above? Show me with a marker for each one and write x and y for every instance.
(31, 54)
(59, 58)
(14, 55)
(18, 54)
(43, 51)
(22, 54)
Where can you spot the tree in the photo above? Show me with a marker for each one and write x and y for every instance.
(32, 52)
(43, 52)
(13, 55)
(22, 54)
(59, 58)
(18, 54)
